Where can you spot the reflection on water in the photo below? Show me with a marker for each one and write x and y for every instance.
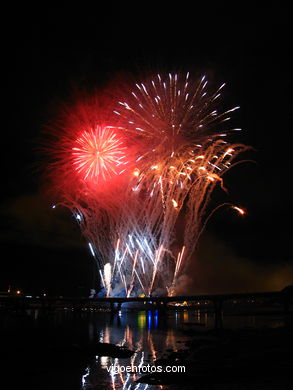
(151, 334)
(148, 333)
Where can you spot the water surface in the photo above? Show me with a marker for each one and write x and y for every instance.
(42, 348)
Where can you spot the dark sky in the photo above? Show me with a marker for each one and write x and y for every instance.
(49, 53)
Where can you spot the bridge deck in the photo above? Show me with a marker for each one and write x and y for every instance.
(17, 302)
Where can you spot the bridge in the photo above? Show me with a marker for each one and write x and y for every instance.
(17, 302)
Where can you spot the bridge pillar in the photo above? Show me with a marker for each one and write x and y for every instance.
(288, 315)
(164, 306)
(286, 304)
(218, 307)
(115, 306)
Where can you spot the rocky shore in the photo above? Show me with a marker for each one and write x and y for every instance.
(238, 359)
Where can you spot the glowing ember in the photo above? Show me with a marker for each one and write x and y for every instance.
(240, 211)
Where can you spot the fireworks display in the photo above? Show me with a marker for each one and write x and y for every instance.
(150, 171)
(98, 153)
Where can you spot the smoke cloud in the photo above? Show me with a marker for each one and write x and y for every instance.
(216, 269)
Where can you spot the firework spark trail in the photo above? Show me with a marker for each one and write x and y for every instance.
(181, 155)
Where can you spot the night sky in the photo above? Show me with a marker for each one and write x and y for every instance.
(49, 54)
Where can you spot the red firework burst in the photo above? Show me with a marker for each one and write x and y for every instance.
(99, 153)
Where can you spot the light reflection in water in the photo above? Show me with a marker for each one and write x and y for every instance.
(150, 334)
(185, 315)
(141, 319)
(149, 319)
(156, 318)
(145, 334)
